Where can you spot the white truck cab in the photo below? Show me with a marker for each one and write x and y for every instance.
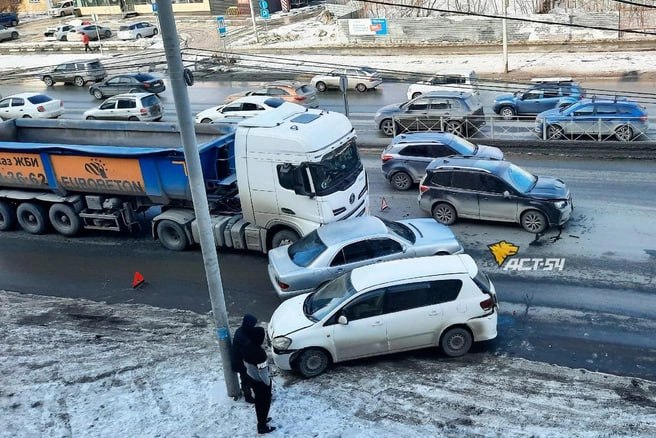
(301, 168)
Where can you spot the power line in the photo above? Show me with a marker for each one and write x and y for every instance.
(510, 18)
(642, 5)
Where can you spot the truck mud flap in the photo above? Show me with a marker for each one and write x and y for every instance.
(255, 238)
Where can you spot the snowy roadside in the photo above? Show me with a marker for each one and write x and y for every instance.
(74, 368)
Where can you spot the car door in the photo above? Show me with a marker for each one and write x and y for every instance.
(349, 257)
(365, 333)
(413, 116)
(332, 79)
(354, 77)
(607, 118)
(126, 108)
(441, 111)
(61, 72)
(249, 109)
(127, 84)
(5, 108)
(550, 98)
(530, 102)
(492, 203)
(17, 108)
(385, 248)
(279, 92)
(415, 159)
(111, 86)
(411, 315)
(464, 193)
(581, 120)
(106, 110)
(231, 110)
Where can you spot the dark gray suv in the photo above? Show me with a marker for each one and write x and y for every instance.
(75, 72)
(406, 158)
(462, 187)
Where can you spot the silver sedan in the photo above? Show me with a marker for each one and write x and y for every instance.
(340, 247)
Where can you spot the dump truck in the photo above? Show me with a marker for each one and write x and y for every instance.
(269, 179)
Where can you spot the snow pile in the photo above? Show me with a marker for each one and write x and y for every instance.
(321, 31)
(78, 368)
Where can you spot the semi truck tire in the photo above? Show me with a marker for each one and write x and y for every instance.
(7, 216)
(284, 237)
(172, 235)
(64, 219)
(33, 218)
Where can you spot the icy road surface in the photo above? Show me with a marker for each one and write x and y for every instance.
(74, 368)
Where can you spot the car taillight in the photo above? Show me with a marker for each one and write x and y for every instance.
(143, 111)
(146, 85)
(423, 188)
(299, 98)
(40, 108)
(487, 304)
(283, 286)
(386, 157)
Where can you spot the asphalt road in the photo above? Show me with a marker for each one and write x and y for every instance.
(598, 314)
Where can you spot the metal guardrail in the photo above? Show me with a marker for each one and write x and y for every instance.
(596, 129)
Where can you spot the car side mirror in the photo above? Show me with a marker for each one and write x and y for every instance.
(506, 194)
(405, 249)
(342, 320)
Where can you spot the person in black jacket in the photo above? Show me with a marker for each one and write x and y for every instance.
(257, 368)
(240, 341)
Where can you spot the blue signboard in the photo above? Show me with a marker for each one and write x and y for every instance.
(264, 13)
(264, 4)
(154, 6)
(379, 26)
(220, 22)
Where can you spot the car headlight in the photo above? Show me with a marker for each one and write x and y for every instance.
(281, 343)
(560, 204)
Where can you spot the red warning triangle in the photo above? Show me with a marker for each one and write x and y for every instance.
(138, 280)
(383, 205)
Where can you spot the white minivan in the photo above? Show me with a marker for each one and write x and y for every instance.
(386, 308)
(451, 80)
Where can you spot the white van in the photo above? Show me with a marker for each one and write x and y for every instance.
(450, 80)
(386, 308)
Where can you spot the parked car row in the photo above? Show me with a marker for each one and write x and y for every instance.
(74, 30)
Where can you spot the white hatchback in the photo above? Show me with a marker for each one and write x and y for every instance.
(30, 106)
(386, 308)
(135, 31)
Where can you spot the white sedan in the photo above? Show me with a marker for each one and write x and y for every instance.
(30, 105)
(135, 31)
(361, 79)
(244, 108)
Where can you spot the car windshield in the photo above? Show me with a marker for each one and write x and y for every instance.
(39, 98)
(306, 250)
(400, 230)
(336, 169)
(522, 180)
(328, 297)
(463, 146)
(143, 77)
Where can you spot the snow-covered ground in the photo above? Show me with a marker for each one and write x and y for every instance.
(73, 368)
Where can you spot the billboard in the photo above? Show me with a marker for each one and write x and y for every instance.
(368, 26)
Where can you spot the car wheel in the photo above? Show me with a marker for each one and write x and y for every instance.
(155, 32)
(63, 38)
(78, 81)
(14, 23)
(387, 126)
(453, 127)
(507, 112)
(206, 121)
(133, 118)
(456, 342)
(62, 14)
(14, 35)
(312, 362)
(416, 94)
(7, 216)
(445, 213)
(554, 132)
(283, 237)
(624, 133)
(139, 36)
(534, 221)
(172, 236)
(98, 94)
(401, 181)
(91, 118)
(64, 219)
(321, 86)
(48, 81)
(32, 218)
(108, 34)
(361, 88)
(134, 90)
(27, 116)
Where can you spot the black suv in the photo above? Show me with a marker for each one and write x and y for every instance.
(474, 188)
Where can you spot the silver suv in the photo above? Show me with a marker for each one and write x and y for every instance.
(77, 72)
(145, 107)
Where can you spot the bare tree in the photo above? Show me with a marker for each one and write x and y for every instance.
(10, 5)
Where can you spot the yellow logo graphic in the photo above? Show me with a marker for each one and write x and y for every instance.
(502, 250)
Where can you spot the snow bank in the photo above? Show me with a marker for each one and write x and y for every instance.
(78, 368)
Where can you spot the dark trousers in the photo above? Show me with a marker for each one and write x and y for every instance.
(246, 385)
(262, 402)
(87, 48)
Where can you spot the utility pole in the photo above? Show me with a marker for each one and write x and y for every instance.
(198, 195)
(250, 3)
(504, 31)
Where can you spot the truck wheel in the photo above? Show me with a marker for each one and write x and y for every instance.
(64, 219)
(32, 218)
(78, 81)
(48, 81)
(7, 216)
(172, 235)
(283, 237)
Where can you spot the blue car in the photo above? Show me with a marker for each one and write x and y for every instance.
(600, 119)
(546, 94)
(8, 19)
